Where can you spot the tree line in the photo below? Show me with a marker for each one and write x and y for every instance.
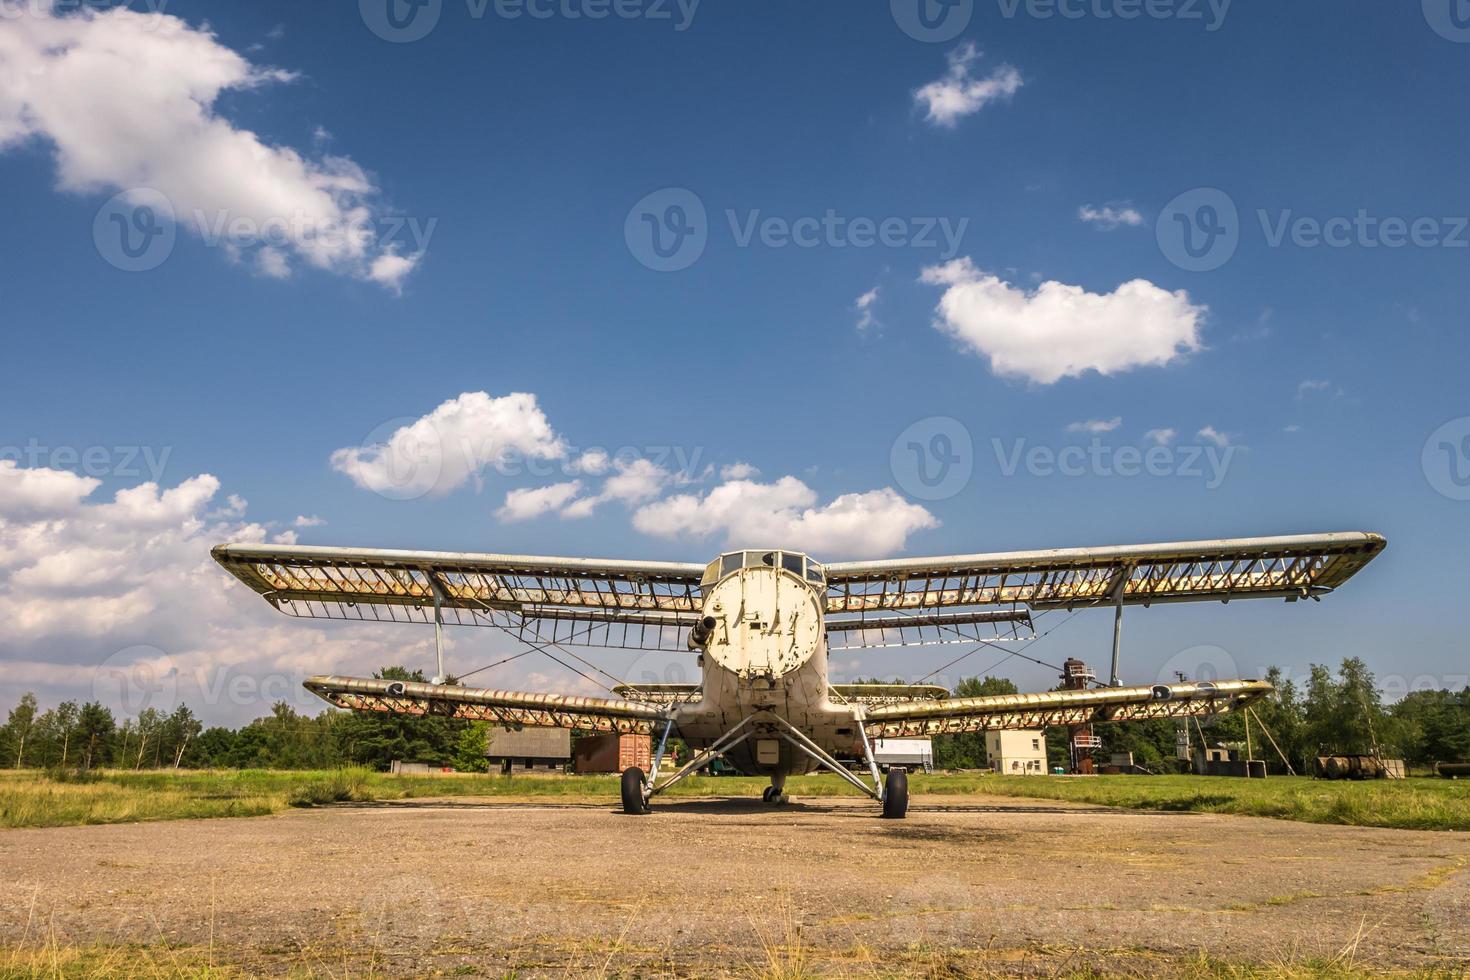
(1337, 713)
(89, 736)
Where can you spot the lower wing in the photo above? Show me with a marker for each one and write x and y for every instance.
(1059, 708)
(510, 708)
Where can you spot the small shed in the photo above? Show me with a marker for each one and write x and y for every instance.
(1017, 753)
(528, 748)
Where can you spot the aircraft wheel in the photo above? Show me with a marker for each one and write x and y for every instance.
(766, 794)
(896, 794)
(633, 783)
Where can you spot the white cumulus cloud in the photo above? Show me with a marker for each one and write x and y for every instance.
(532, 502)
(864, 307)
(1161, 437)
(1211, 434)
(786, 513)
(119, 600)
(1096, 426)
(738, 471)
(1059, 331)
(630, 481)
(453, 445)
(959, 93)
(128, 102)
(1110, 216)
(41, 492)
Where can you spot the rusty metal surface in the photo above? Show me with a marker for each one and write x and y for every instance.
(1282, 567)
(482, 704)
(464, 581)
(887, 629)
(876, 694)
(659, 693)
(629, 605)
(1062, 708)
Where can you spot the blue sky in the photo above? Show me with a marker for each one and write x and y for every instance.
(505, 166)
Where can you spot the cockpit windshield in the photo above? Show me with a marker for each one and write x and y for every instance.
(792, 561)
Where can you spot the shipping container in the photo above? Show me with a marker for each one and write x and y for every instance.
(612, 753)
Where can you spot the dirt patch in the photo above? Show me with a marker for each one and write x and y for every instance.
(711, 886)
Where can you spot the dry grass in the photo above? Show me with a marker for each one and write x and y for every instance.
(33, 799)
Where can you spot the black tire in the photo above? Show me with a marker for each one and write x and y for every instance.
(896, 795)
(633, 782)
(766, 795)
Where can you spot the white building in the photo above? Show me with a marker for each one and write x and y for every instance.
(1020, 753)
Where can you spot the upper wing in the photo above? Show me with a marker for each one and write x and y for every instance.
(1294, 567)
(562, 600)
(480, 704)
(1056, 708)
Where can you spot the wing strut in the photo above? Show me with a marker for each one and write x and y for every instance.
(1117, 630)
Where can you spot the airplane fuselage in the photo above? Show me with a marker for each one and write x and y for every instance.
(766, 657)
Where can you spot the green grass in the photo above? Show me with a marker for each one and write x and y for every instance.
(1411, 804)
(32, 799)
